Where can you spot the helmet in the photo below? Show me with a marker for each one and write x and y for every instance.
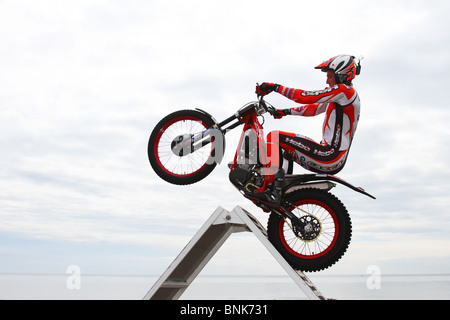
(344, 66)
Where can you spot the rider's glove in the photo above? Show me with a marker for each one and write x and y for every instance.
(266, 88)
(280, 113)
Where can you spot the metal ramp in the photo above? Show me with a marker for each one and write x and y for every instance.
(211, 236)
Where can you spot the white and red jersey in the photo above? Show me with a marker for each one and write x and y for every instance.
(328, 101)
(341, 106)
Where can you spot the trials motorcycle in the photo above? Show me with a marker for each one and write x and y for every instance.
(310, 227)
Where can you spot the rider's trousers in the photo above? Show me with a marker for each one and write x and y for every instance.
(306, 152)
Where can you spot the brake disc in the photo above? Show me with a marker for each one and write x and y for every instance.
(310, 228)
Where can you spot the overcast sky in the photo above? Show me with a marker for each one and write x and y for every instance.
(84, 82)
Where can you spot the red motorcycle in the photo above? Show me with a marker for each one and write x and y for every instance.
(310, 227)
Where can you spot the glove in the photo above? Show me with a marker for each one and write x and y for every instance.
(266, 88)
(278, 114)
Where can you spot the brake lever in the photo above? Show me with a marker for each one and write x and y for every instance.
(257, 90)
(269, 108)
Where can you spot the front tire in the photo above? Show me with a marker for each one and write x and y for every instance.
(181, 169)
(324, 239)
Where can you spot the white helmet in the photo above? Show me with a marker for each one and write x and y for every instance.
(344, 66)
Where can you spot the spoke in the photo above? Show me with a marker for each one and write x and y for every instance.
(187, 164)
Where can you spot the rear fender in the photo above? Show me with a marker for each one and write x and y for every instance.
(324, 185)
(345, 183)
(324, 181)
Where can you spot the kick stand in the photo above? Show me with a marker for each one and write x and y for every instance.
(212, 235)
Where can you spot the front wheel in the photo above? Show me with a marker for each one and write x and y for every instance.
(323, 237)
(171, 153)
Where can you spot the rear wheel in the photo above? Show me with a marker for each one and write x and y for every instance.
(169, 148)
(323, 237)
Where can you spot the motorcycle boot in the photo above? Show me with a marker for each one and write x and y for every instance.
(273, 193)
(278, 185)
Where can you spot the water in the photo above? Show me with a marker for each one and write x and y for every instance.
(125, 287)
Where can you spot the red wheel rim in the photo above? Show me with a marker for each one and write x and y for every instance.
(323, 243)
(181, 166)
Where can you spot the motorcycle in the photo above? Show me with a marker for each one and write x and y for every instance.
(309, 226)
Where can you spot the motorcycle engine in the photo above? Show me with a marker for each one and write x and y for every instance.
(247, 177)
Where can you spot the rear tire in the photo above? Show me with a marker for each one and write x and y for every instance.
(187, 169)
(328, 230)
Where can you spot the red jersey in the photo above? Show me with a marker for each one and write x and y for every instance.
(341, 106)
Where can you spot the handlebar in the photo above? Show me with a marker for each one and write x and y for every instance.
(260, 108)
(262, 104)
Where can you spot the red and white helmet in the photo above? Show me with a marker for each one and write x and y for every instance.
(344, 66)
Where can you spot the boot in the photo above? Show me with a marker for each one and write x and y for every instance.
(278, 185)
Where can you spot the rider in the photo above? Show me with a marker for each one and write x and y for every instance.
(341, 105)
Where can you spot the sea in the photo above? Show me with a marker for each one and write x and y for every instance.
(135, 287)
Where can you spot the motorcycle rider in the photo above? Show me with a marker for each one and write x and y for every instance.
(340, 103)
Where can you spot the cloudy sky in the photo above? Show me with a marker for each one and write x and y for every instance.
(84, 82)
